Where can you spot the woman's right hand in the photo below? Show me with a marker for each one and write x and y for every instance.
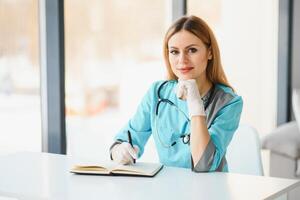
(188, 90)
(124, 153)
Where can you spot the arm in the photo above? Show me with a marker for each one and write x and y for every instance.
(221, 132)
(139, 125)
(208, 146)
(199, 137)
(188, 89)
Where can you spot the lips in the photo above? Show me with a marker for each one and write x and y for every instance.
(185, 69)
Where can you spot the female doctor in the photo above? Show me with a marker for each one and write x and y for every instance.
(194, 113)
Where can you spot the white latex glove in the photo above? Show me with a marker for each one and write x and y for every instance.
(188, 90)
(124, 153)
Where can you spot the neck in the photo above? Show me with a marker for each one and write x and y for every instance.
(204, 86)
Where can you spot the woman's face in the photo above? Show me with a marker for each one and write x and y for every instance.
(188, 56)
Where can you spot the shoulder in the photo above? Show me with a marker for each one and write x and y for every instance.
(165, 87)
(165, 83)
(225, 106)
(226, 94)
(226, 97)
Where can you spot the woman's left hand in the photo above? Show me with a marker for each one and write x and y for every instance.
(188, 90)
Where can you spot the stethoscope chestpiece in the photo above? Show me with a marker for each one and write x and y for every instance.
(185, 138)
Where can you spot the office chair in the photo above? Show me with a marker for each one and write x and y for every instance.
(243, 153)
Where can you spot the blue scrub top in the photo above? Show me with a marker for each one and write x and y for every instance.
(223, 113)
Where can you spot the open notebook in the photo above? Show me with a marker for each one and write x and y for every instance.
(111, 168)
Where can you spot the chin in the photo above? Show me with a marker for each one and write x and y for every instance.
(186, 77)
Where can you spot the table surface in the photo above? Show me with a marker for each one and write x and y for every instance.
(33, 176)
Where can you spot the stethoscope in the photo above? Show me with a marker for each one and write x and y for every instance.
(185, 137)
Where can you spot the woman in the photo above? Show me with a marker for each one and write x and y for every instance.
(194, 114)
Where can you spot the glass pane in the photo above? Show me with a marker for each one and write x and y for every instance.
(248, 45)
(112, 57)
(19, 77)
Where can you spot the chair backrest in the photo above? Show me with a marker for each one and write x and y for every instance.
(243, 153)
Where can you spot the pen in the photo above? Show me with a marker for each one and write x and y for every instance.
(130, 141)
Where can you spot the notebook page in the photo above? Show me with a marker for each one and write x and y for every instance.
(139, 168)
(95, 166)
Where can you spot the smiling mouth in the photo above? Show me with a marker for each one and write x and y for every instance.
(185, 70)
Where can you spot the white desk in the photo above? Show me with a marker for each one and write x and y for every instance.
(45, 176)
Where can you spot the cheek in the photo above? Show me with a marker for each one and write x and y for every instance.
(200, 65)
(172, 62)
(201, 61)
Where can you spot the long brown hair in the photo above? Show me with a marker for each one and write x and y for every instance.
(198, 27)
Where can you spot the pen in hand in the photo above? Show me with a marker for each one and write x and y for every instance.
(130, 141)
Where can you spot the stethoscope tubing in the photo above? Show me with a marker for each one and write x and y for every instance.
(185, 138)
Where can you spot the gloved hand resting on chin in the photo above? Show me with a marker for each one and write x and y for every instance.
(188, 90)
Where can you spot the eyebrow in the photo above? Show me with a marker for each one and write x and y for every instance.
(171, 47)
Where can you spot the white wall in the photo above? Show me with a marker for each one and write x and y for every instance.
(248, 42)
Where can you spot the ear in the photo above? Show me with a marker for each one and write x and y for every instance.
(209, 54)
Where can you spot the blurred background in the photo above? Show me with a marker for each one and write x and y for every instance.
(113, 52)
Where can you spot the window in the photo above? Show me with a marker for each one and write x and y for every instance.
(19, 77)
(112, 57)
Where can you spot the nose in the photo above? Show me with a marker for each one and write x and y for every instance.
(183, 58)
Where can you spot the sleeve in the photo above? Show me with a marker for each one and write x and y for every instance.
(221, 132)
(140, 124)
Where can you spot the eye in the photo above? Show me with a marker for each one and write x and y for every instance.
(174, 52)
(193, 50)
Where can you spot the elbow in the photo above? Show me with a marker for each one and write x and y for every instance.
(205, 162)
(212, 160)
